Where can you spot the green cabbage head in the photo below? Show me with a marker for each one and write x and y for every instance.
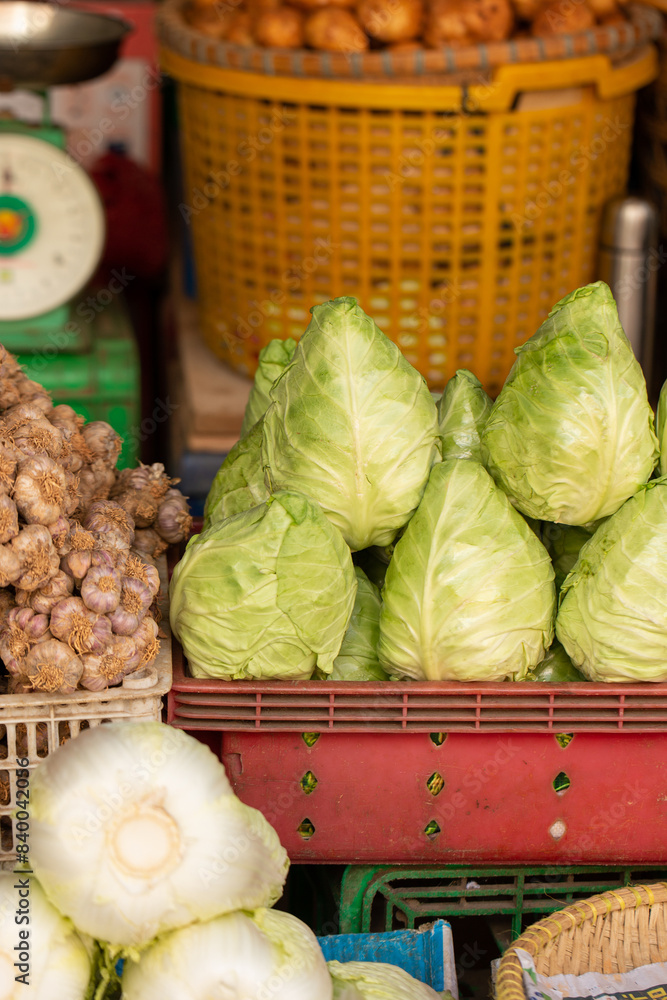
(358, 657)
(353, 425)
(273, 359)
(556, 668)
(265, 594)
(469, 592)
(661, 428)
(463, 410)
(570, 436)
(376, 981)
(563, 542)
(612, 618)
(239, 482)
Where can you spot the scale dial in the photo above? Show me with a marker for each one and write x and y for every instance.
(51, 227)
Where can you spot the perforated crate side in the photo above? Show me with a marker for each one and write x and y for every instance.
(524, 798)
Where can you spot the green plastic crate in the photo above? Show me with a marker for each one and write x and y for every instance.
(387, 898)
(102, 384)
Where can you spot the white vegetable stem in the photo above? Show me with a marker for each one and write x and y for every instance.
(50, 961)
(135, 831)
(265, 955)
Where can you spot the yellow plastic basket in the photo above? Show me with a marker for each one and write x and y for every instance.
(457, 213)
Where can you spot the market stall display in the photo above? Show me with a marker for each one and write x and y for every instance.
(468, 598)
(468, 593)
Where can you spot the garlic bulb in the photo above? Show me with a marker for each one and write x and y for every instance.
(57, 589)
(100, 589)
(87, 487)
(21, 413)
(77, 564)
(59, 532)
(107, 516)
(8, 461)
(37, 556)
(111, 549)
(66, 419)
(38, 437)
(53, 667)
(39, 490)
(34, 394)
(34, 624)
(78, 540)
(10, 566)
(22, 598)
(108, 668)
(135, 600)
(146, 641)
(148, 542)
(105, 476)
(149, 480)
(174, 522)
(141, 504)
(139, 569)
(9, 393)
(14, 647)
(78, 550)
(78, 626)
(72, 497)
(103, 442)
(22, 630)
(9, 519)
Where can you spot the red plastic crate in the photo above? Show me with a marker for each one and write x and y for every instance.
(368, 797)
(442, 773)
(417, 707)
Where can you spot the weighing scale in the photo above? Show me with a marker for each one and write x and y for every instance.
(51, 217)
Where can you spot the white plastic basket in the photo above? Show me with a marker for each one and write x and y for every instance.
(56, 718)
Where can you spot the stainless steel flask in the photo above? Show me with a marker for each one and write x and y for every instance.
(629, 261)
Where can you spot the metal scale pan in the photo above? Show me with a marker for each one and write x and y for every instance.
(46, 45)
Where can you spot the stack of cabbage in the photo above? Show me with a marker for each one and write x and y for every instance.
(347, 464)
(138, 849)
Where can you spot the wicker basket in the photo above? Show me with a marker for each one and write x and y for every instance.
(614, 932)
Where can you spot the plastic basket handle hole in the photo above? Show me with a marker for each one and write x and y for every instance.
(437, 738)
(561, 783)
(435, 783)
(432, 830)
(557, 830)
(305, 829)
(564, 739)
(310, 739)
(308, 783)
